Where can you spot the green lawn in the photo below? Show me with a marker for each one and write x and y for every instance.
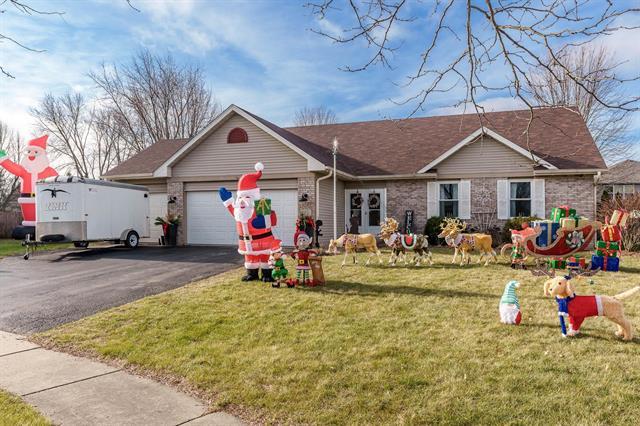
(14, 247)
(378, 345)
(13, 411)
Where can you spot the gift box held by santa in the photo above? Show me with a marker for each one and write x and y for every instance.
(33, 167)
(255, 233)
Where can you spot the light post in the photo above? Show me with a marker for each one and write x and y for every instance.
(334, 151)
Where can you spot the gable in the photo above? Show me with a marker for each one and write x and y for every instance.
(485, 157)
(213, 156)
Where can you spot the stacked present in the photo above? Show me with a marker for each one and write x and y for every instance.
(561, 217)
(606, 252)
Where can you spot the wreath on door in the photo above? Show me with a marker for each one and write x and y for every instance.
(374, 201)
(356, 202)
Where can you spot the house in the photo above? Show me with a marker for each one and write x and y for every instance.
(482, 172)
(622, 179)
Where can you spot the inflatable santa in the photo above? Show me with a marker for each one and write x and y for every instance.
(33, 167)
(255, 235)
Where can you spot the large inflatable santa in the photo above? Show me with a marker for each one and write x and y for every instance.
(255, 234)
(33, 166)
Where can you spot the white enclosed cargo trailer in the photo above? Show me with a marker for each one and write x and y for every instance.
(79, 210)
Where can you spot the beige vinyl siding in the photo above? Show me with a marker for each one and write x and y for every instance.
(485, 158)
(214, 156)
(326, 209)
(232, 185)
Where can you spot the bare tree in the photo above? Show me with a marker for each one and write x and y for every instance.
(465, 40)
(310, 116)
(11, 143)
(77, 135)
(152, 98)
(590, 65)
(24, 8)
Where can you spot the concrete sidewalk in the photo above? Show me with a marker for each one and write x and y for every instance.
(75, 391)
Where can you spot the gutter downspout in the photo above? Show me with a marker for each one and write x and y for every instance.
(318, 191)
(596, 181)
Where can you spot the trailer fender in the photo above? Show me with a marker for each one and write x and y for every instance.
(123, 235)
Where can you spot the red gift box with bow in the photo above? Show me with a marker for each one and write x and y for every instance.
(611, 233)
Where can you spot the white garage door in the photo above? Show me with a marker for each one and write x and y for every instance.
(157, 207)
(209, 222)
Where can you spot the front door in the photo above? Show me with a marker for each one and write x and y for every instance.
(367, 208)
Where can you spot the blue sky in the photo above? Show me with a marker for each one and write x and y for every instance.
(257, 54)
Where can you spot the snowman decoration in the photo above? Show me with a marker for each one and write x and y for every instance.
(33, 166)
(256, 238)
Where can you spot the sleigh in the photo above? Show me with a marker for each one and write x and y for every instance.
(567, 243)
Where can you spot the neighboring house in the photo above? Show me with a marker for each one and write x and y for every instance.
(622, 179)
(433, 166)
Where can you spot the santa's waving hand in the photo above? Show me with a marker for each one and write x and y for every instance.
(33, 166)
(255, 234)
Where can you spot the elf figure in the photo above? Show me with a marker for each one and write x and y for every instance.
(279, 270)
(302, 253)
(33, 167)
(509, 305)
(254, 224)
(518, 257)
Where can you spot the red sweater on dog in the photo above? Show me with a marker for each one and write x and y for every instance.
(581, 307)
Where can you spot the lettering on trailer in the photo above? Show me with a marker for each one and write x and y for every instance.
(57, 206)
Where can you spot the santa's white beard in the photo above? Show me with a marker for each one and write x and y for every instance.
(37, 165)
(242, 214)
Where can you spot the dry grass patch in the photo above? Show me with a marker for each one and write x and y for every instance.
(379, 345)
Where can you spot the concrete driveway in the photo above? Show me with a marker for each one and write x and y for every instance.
(55, 288)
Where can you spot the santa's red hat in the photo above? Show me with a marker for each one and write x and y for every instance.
(40, 142)
(248, 183)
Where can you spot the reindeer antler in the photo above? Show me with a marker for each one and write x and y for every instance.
(577, 273)
(537, 272)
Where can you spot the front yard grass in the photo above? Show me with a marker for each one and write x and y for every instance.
(379, 345)
(13, 411)
(10, 247)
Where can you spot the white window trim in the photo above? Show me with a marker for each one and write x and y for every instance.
(448, 182)
(530, 182)
(624, 187)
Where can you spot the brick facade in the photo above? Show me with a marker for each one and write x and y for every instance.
(575, 191)
(307, 185)
(405, 195)
(176, 189)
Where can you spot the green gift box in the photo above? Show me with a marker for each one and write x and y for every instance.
(263, 206)
(607, 248)
(558, 213)
(557, 263)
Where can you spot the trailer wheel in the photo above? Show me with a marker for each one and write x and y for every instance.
(132, 240)
(81, 244)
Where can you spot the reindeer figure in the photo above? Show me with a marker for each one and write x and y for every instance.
(353, 242)
(464, 243)
(401, 243)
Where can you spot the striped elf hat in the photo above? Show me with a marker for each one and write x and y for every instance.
(509, 296)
